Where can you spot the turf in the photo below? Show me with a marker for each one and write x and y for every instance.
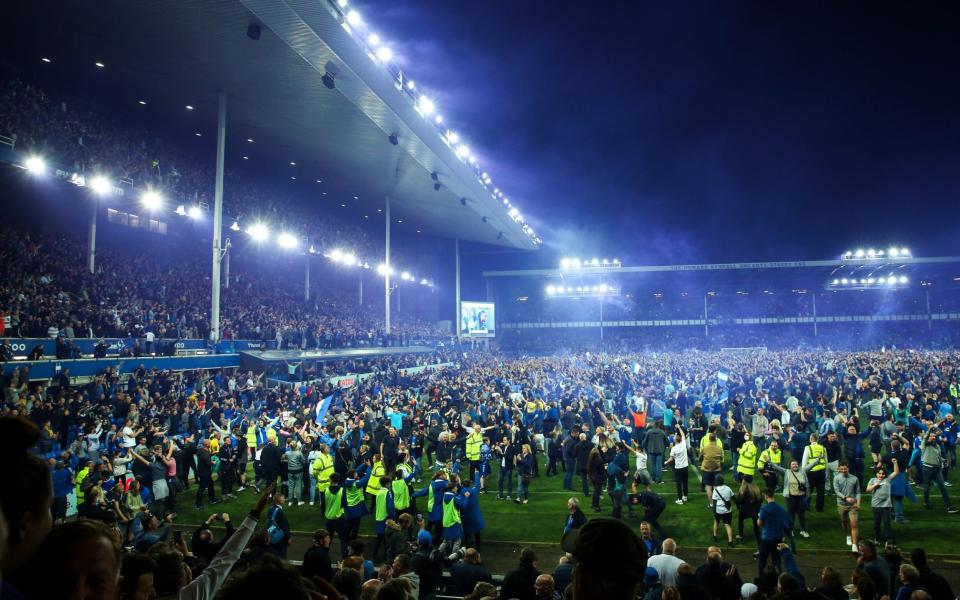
(542, 520)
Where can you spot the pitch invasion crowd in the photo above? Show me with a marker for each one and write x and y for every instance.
(413, 452)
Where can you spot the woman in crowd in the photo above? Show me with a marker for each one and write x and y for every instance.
(525, 465)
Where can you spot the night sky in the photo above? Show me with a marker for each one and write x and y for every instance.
(701, 131)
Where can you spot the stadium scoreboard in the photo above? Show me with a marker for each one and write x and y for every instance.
(477, 319)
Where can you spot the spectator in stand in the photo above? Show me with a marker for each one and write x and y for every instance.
(316, 560)
(518, 583)
(609, 561)
(666, 563)
(938, 587)
(468, 571)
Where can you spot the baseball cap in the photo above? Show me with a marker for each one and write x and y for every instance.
(608, 546)
(747, 590)
(652, 576)
(424, 538)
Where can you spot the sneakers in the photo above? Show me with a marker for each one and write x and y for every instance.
(948, 484)
(684, 498)
(525, 501)
(483, 491)
(804, 534)
(301, 503)
(311, 503)
(678, 501)
(953, 510)
(517, 500)
(499, 497)
(854, 549)
(849, 541)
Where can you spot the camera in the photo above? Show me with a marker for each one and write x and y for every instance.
(457, 555)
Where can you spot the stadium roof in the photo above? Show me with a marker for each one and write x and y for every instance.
(184, 51)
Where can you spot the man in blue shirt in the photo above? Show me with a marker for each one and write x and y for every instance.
(63, 483)
(773, 522)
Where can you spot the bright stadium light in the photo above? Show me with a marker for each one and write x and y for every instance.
(195, 212)
(565, 263)
(287, 240)
(551, 290)
(101, 185)
(151, 200)
(259, 232)
(463, 151)
(235, 226)
(844, 281)
(353, 18)
(603, 288)
(836, 282)
(904, 252)
(426, 106)
(452, 137)
(36, 165)
(575, 263)
(595, 262)
(348, 259)
(405, 276)
(903, 279)
(859, 253)
(384, 54)
(870, 280)
(894, 252)
(373, 40)
(336, 255)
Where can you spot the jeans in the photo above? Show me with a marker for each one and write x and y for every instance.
(523, 489)
(768, 549)
(682, 477)
(897, 508)
(882, 531)
(569, 465)
(505, 475)
(313, 493)
(655, 462)
(934, 475)
(295, 483)
(597, 488)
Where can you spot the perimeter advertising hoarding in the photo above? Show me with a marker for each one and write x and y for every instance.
(477, 319)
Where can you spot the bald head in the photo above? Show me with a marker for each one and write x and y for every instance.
(472, 556)
(369, 589)
(669, 546)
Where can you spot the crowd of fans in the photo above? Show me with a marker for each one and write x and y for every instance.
(91, 142)
(47, 291)
(795, 424)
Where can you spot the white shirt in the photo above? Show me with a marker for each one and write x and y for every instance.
(129, 441)
(666, 565)
(641, 460)
(679, 455)
(723, 499)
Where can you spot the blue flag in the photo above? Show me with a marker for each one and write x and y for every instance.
(324, 405)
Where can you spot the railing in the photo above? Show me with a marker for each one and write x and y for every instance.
(9, 141)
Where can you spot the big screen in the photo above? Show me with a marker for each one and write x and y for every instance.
(477, 319)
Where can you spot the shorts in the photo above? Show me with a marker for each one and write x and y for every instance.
(725, 518)
(484, 469)
(709, 477)
(848, 513)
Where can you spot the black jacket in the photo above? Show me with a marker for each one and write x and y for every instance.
(316, 562)
(466, 576)
(519, 583)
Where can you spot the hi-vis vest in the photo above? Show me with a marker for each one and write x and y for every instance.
(373, 486)
(769, 456)
(354, 493)
(815, 451)
(747, 462)
(322, 469)
(381, 512)
(334, 504)
(401, 494)
(474, 440)
(954, 391)
(451, 516)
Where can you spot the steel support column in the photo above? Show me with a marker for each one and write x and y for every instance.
(386, 272)
(218, 218)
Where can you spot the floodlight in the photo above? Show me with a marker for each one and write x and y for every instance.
(342, 3)
(859, 253)
(836, 282)
(904, 252)
(575, 263)
(870, 280)
(452, 137)
(604, 288)
(259, 232)
(353, 18)
(844, 281)
(99, 64)
(551, 290)
(463, 151)
(903, 279)
(336, 255)
(513, 212)
(606, 262)
(871, 252)
(101, 185)
(595, 261)
(595, 289)
(181, 210)
(426, 105)
(235, 226)
(381, 268)
(36, 165)
(384, 54)
(348, 259)
(152, 200)
(287, 240)
(893, 251)
(565, 263)
(195, 212)
(373, 40)
(405, 276)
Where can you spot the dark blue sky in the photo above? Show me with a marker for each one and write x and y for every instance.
(701, 131)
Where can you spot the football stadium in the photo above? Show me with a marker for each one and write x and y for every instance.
(355, 299)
